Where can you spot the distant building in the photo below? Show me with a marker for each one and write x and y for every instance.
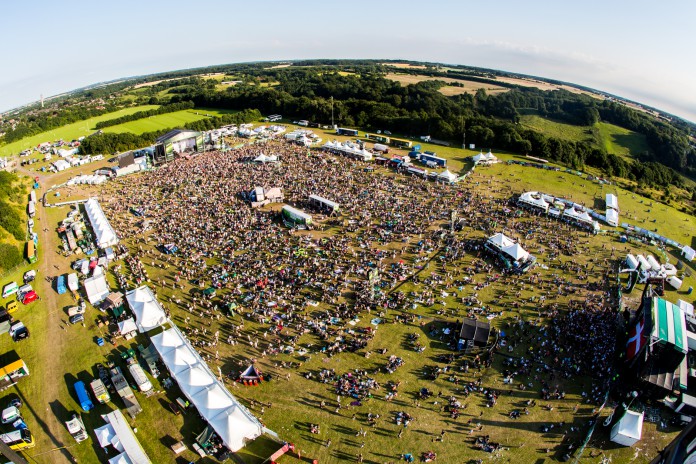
(175, 143)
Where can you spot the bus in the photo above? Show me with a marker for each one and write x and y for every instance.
(32, 196)
(18, 439)
(31, 209)
(31, 252)
(398, 143)
(348, 132)
(323, 204)
(293, 217)
(432, 160)
(377, 138)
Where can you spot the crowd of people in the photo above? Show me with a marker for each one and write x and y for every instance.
(327, 291)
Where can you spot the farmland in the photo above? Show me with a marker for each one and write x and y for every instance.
(463, 86)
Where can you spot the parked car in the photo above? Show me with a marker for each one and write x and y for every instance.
(77, 318)
(29, 297)
(29, 276)
(18, 331)
(11, 307)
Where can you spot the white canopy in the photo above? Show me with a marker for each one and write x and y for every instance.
(447, 175)
(516, 252)
(105, 234)
(485, 158)
(231, 421)
(73, 282)
(628, 430)
(127, 326)
(96, 288)
(612, 217)
(687, 307)
(104, 435)
(689, 253)
(534, 199)
(133, 452)
(148, 311)
(612, 202)
(500, 241)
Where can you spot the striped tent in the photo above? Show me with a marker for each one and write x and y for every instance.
(669, 324)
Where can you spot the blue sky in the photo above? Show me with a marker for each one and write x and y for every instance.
(637, 49)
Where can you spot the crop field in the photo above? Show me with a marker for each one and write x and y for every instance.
(469, 86)
(68, 132)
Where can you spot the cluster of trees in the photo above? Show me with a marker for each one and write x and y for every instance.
(111, 143)
(186, 105)
(10, 219)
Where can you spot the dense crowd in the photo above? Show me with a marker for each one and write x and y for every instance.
(313, 285)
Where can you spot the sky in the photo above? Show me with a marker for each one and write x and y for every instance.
(636, 49)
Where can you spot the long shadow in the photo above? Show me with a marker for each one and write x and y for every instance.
(44, 427)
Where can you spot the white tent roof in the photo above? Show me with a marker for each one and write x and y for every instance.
(612, 202)
(104, 435)
(195, 379)
(629, 429)
(106, 236)
(534, 199)
(516, 252)
(447, 175)
(121, 459)
(96, 288)
(500, 241)
(127, 326)
(689, 253)
(231, 421)
(148, 311)
(612, 216)
(133, 451)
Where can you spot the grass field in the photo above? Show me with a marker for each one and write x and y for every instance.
(165, 121)
(614, 139)
(556, 129)
(620, 141)
(69, 132)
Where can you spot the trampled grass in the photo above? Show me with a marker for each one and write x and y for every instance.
(68, 132)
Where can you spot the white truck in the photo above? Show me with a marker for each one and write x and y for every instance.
(77, 428)
(140, 378)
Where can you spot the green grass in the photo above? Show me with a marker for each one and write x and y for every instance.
(556, 129)
(620, 141)
(68, 132)
(167, 121)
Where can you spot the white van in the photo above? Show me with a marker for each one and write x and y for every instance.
(140, 378)
(11, 414)
(9, 289)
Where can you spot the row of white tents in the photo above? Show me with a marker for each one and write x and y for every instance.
(105, 234)
(348, 148)
(485, 158)
(233, 423)
(612, 211)
(94, 179)
(552, 206)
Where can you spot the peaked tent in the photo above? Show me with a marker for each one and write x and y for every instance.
(251, 374)
(148, 311)
(447, 176)
(127, 326)
(96, 288)
(516, 252)
(500, 241)
(628, 430)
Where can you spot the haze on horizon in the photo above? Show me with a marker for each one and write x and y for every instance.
(635, 49)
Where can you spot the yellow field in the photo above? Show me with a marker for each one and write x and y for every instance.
(469, 86)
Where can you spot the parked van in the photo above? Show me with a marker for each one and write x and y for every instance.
(9, 289)
(11, 414)
(140, 378)
(83, 397)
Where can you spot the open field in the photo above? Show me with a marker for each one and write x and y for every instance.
(469, 86)
(556, 129)
(167, 120)
(404, 65)
(68, 132)
(620, 141)
(530, 82)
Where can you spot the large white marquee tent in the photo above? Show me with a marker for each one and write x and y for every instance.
(233, 423)
(105, 234)
(148, 311)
